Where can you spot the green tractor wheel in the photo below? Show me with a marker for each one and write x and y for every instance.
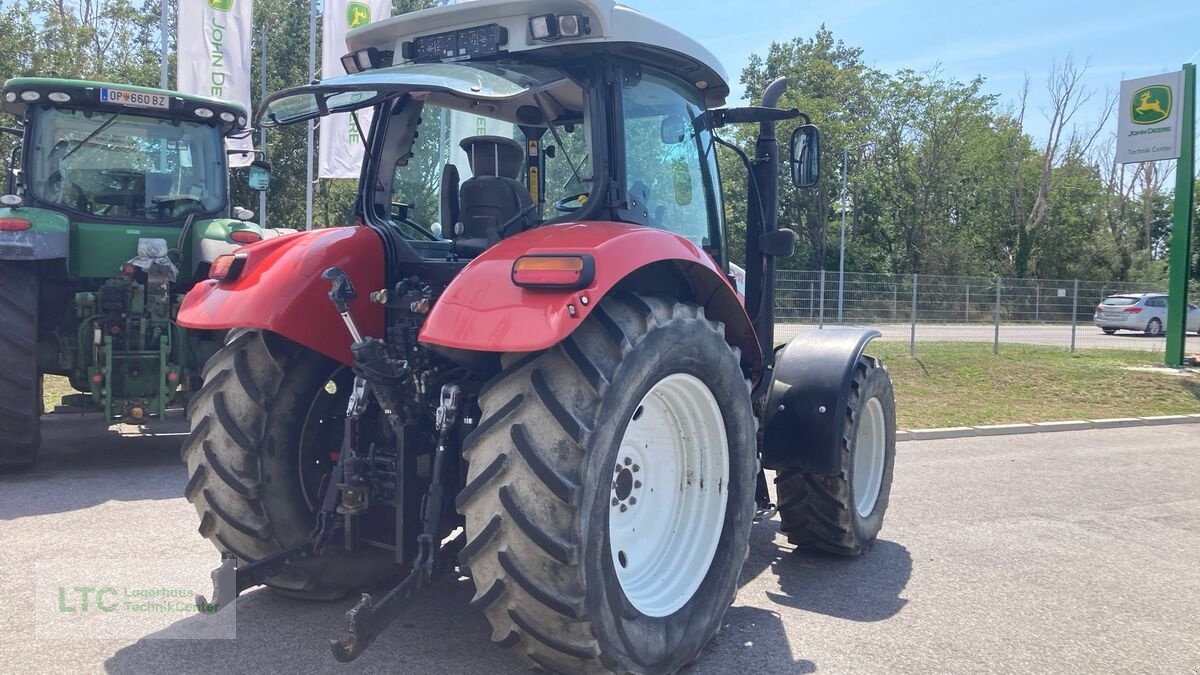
(20, 382)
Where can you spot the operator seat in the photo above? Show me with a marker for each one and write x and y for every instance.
(493, 204)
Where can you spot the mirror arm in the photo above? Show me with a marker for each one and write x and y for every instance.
(15, 131)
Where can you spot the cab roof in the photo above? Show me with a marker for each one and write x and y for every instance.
(611, 27)
(87, 94)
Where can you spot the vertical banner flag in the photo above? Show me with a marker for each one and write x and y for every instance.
(341, 147)
(214, 57)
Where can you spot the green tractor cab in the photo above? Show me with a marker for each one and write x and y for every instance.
(115, 202)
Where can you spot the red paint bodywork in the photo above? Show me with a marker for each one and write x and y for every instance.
(280, 289)
(481, 309)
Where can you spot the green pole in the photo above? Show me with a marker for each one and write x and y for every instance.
(1181, 227)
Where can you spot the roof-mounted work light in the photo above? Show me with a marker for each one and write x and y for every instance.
(549, 27)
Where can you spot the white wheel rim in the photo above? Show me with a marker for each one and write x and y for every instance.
(669, 491)
(869, 454)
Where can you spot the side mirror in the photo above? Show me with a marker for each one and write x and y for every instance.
(672, 130)
(806, 156)
(259, 178)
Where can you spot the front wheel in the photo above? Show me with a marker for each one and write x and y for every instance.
(610, 491)
(843, 513)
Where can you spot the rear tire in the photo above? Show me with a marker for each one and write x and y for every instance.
(1154, 327)
(837, 514)
(245, 461)
(20, 382)
(547, 464)
(1109, 331)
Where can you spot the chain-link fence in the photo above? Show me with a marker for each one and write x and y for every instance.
(924, 308)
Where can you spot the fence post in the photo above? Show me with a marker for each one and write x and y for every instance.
(912, 335)
(996, 340)
(967, 306)
(1074, 314)
(821, 317)
(1037, 303)
(895, 297)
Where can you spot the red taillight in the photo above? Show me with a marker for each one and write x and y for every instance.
(227, 267)
(14, 224)
(1099, 308)
(1132, 310)
(245, 236)
(553, 271)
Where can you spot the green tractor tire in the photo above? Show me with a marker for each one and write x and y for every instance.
(20, 382)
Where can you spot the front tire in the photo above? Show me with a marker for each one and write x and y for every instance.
(843, 514)
(263, 426)
(551, 496)
(20, 382)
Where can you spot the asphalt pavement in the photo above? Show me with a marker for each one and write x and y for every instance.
(1068, 552)
(1087, 336)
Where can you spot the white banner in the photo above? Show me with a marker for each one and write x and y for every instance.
(341, 147)
(214, 57)
(1150, 118)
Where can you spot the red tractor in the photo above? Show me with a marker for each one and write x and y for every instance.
(527, 362)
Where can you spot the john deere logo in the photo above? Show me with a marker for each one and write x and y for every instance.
(1150, 105)
(357, 14)
(221, 5)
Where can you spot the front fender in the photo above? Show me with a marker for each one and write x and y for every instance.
(482, 310)
(808, 398)
(48, 238)
(280, 289)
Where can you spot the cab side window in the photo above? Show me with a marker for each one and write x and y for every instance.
(670, 168)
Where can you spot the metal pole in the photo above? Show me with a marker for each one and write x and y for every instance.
(895, 296)
(1074, 314)
(162, 30)
(842, 236)
(912, 335)
(967, 306)
(312, 73)
(821, 316)
(1037, 303)
(1181, 227)
(262, 133)
(996, 340)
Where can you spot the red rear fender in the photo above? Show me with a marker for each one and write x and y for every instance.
(280, 289)
(481, 309)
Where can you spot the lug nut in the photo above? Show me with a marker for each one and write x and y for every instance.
(636, 468)
(632, 501)
(637, 483)
(615, 501)
(624, 508)
(628, 462)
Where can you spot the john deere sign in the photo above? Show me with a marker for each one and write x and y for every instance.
(1149, 127)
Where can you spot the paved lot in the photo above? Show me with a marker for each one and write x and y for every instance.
(1070, 552)
(1087, 337)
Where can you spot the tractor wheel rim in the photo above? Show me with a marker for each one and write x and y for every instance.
(869, 457)
(670, 486)
(321, 436)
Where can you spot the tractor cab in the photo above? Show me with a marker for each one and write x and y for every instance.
(493, 118)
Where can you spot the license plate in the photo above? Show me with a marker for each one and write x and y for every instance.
(135, 99)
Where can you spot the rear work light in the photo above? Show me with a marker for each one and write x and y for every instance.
(1132, 310)
(245, 236)
(14, 224)
(227, 267)
(565, 272)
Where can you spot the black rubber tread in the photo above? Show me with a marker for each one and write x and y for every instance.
(524, 490)
(817, 512)
(20, 382)
(241, 461)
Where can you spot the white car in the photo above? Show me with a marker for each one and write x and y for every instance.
(1142, 312)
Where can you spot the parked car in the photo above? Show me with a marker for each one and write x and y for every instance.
(1142, 312)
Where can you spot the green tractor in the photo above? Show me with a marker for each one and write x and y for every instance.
(116, 201)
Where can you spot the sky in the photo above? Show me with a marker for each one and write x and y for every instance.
(1003, 41)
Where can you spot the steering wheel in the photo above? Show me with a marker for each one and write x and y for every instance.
(123, 176)
(572, 203)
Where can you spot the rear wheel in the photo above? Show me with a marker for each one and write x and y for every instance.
(1109, 331)
(266, 427)
(610, 491)
(1154, 327)
(20, 382)
(843, 513)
